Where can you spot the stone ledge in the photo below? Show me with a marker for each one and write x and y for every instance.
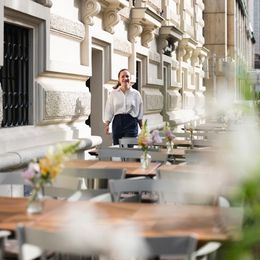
(20, 158)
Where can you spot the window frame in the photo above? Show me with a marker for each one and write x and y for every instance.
(36, 18)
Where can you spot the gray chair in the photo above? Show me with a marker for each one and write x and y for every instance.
(209, 250)
(130, 153)
(172, 247)
(96, 178)
(3, 236)
(126, 142)
(161, 191)
(12, 184)
(82, 184)
(63, 187)
(35, 242)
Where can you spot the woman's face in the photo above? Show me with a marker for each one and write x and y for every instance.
(124, 78)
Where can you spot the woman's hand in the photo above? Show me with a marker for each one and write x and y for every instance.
(106, 128)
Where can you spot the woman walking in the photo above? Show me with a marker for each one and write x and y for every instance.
(124, 108)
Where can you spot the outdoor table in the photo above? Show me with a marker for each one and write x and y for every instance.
(133, 168)
(207, 223)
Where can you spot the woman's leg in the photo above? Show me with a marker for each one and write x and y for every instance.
(117, 129)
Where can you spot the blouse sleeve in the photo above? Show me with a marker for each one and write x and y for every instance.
(141, 108)
(109, 109)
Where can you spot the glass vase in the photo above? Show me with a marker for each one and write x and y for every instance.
(170, 147)
(35, 202)
(145, 160)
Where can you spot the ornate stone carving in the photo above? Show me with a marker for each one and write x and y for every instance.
(180, 52)
(203, 54)
(110, 19)
(135, 30)
(195, 56)
(111, 16)
(47, 3)
(185, 48)
(147, 35)
(90, 8)
(168, 37)
(188, 53)
(144, 22)
(66, 26)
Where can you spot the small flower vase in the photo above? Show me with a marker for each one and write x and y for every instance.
(170, 146)
(35, 202)
(191, 140)
(145, 160)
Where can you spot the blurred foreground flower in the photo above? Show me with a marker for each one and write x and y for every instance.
(46, 169)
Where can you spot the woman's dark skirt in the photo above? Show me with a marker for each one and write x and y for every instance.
(124, 125)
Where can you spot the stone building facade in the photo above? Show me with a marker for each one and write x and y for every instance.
(75, 50)
(230, 39)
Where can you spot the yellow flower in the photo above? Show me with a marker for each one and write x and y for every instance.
(44, 164)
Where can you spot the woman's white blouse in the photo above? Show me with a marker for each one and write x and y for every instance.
(129, 102)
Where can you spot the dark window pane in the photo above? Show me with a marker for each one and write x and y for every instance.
(14, 76)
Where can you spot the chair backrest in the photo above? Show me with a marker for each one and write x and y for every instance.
(131, 153)
(162, 191)
(126, 142)
(90, 183)
(63, 187)
(35, 243)
(11, 184)
(181, 247)
(3, 236)
(95, 178)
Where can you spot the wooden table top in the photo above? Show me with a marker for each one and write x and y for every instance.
(207, 223)
(192, 168)
(133, 168)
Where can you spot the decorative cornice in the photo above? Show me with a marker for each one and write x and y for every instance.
(90, 8)
(66, 26)
(47, 3)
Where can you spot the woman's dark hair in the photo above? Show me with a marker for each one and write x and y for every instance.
(118, 84)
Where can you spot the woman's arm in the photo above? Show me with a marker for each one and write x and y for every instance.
(140, 122)
(106, 127)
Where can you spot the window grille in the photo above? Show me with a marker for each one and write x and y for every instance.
(14, 76)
